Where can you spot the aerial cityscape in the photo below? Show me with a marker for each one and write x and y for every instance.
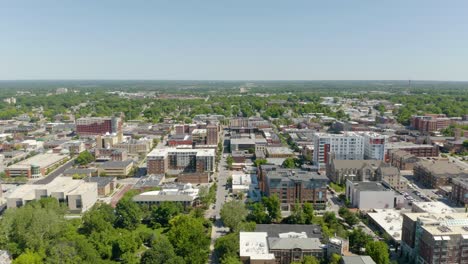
(172, 133)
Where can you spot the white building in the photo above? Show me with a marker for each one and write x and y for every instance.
(388, 220)
(184, 194)
(347, 146)
(253, 246)
(77, 194)
(369, 195)
(374, 145)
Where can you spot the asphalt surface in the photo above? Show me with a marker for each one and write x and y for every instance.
(218, 229)
(49, 178)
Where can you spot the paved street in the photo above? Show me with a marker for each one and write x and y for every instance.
(56, 172)
(218, 229)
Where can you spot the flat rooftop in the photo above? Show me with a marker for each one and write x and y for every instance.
(279, 151)
(442, 167)
(370, 186)
(41, 160)
(162, 152)
(84, 188)
(389, 220)
(433, 207)
(254, 244)
(405, 145)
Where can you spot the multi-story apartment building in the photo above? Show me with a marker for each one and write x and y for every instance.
(435, 238)
(93, 126)
(186, 160)
(418, 150)
(437, 173)
(430, 122)
(459, 192)
(374, 145)
(212, 135)
(347, 146)
(295, 186)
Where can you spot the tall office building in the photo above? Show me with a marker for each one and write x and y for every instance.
(93, 126)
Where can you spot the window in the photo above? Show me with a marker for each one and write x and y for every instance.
(79, 203)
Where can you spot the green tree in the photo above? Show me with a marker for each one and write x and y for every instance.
(125, 246)
(162, 214)
(310, 260)
(229, 162)
(84, 158)
(258, 214)
(358, 239)
(273, 206)
(297, 215)
(308, 213)
(161, 252)
(29, 257)
(378, 251)
(233, 213)
(33, 226)
(227, 246)
(99, 218)
(334, 259)
(289, 163)
(231, 260)
(128, 214)
(349, 217)
(259, 162)
(189, 238)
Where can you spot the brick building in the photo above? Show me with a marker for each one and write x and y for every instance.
(435, 238)
(92, 126)
(293, 186)
(459, 192)
(430, 122)
(212, 134)
(402, 159)
(418, 150)
(437, 173)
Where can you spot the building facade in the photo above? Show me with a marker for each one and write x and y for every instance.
(296, 186)
(347, 146)
(159, 161)
(435, 238)
(93, 126)
(436, 173)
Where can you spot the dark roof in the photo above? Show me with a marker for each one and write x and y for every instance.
(369, 186)
(72, 171)
(274, 230)
(116, 164)
(101, 181)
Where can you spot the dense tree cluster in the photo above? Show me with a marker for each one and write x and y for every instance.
(39, 233)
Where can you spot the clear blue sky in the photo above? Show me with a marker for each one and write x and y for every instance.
(242, 39)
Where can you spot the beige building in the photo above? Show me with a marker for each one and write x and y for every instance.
(77, 194)
(116, 168)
